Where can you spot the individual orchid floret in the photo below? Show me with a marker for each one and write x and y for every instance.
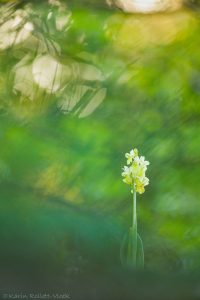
(127, 174)
(130, 156)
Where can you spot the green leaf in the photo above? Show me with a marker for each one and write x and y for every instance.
(140, 252)
(128, 251)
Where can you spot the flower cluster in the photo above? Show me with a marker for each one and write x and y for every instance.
(134, 172)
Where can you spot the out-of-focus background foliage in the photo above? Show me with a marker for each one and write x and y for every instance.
(81, 83)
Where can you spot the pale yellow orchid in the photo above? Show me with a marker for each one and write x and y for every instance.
(134, 173)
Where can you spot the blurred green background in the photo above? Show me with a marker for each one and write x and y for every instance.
(80, 85)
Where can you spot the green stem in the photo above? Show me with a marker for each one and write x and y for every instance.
(134, 209)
